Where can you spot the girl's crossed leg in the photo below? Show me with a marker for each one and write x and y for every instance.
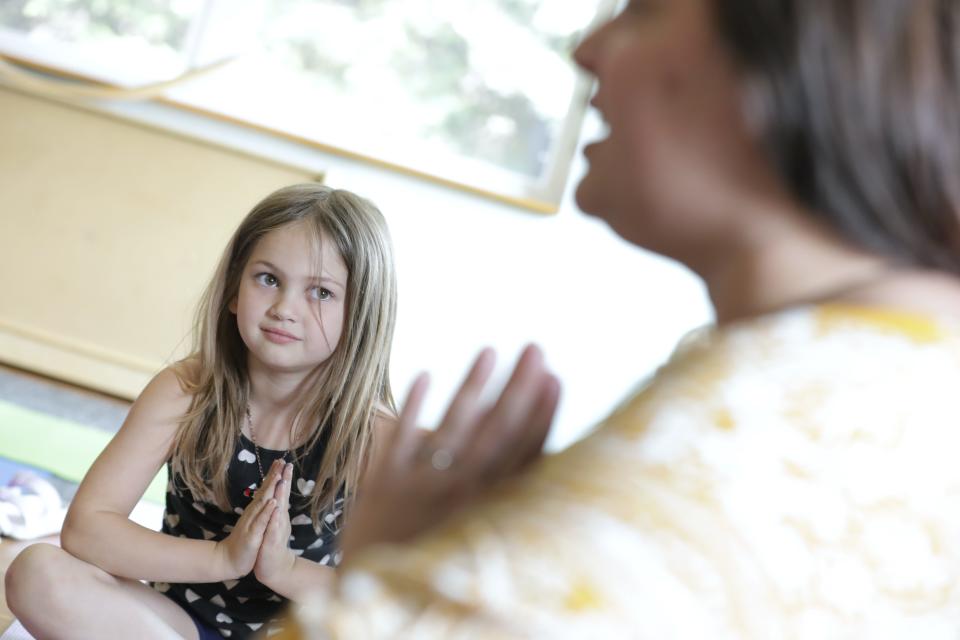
(55, 595)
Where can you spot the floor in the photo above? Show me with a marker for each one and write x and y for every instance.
(62, 400)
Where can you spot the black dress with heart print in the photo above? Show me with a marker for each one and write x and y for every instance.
(239, 608)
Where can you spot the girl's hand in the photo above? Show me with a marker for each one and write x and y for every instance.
(238, 551)
(275, 560)
(420, 479)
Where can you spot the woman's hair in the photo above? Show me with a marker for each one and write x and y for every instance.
(347, 391)
(858, 103)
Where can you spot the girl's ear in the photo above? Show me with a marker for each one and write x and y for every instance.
(232, 305)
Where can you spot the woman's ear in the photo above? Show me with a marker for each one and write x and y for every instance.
(232, 305)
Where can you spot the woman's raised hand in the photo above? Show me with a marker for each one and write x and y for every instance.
(275, 560)
(420, 478)
(238, 551)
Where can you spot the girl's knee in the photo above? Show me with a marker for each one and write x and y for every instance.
(35, 577)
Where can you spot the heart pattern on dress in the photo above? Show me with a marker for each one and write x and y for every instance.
(247, 456)
(218, 600)
(191, 595)
(302, 519)
(222, 617)
(305, 486)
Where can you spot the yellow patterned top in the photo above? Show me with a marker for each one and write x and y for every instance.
(792, 476)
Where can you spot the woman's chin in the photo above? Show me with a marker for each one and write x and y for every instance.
(587, 197)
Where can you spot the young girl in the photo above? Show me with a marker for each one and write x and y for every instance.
(264, 429)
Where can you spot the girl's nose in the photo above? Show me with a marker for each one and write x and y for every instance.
(282, 309)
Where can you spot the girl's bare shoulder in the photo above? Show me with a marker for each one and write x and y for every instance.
(170, 393)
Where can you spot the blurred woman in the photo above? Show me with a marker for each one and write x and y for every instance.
(790, 472)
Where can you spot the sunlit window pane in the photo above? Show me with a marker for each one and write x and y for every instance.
(491, 80)
(132, 39)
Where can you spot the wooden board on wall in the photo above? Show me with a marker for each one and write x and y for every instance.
(108, 233)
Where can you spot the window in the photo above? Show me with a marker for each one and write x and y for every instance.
(476, 93)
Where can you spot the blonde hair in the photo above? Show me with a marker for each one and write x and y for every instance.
(347, 392)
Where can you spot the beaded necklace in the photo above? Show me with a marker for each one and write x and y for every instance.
(256, 447)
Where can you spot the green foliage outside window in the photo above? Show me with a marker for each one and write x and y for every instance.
(159, 22)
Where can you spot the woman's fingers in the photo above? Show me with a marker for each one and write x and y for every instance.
(465, 406)
(512, 409)
(405, 438)
(545, 411)
(533, 432)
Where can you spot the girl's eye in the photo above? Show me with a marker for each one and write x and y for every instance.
(267, 279)
(319, 293)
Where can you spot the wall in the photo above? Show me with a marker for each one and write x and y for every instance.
(109, 229)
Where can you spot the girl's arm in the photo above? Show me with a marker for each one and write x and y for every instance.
(304, 576)
(97, 528)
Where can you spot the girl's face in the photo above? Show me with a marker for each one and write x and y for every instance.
(677, 151)
(289, 316)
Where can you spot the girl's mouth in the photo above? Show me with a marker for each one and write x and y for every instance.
(278, 336)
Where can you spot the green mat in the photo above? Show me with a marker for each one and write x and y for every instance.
(64, 448)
